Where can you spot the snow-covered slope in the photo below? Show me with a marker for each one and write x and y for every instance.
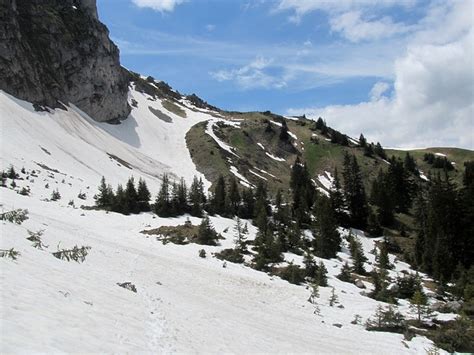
(183, 303)
(79, 147)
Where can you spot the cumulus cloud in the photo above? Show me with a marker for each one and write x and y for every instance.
(432, 103)
(159, 5)
(252, 75)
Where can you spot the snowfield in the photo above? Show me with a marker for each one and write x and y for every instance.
(184, 303)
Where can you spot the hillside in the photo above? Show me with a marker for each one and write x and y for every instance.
(134, 218)
(181, 298)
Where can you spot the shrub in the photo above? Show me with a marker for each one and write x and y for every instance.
(232, 255)
(16, 216)
(292, 273)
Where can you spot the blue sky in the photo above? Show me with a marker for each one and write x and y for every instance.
(354, 62)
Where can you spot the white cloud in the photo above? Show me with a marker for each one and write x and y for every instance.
(251, 76)
(378, 90)
(432, 104)
(303, 7)
(159, 5)
(210, 27)
(352, 26)
(355, 20)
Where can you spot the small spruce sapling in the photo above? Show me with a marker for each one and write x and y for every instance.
(35, 237)
(333, 299)
(9, 253)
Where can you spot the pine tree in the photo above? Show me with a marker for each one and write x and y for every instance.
(182, 197)
(362, 141)
(132, 196)
(321, 275)
(233, 196)
(248, 203)
(219, 199)
(418, 303)
(143, 196)
(310, 265)
(240, 235)
(105, 196)
(284, 136)
(327, 239)
(206, 233)
(380, 151)
(373, 225)
(120, 201)
(354, 192)
(196, 197)
(333, 299)
(383, 259)
(336, 196)
(345, 274)
(162, 205)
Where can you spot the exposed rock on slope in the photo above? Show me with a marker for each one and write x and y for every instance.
(57, 50)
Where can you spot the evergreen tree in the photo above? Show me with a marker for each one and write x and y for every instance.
(248, 203)
(268, 250)
(240, 235)
(419, 304)
(162, 205)
(336, 197)
(219, 199)
(310, 265)
(378, 150)
(383, 259)
(105, 196)
(345, 274)
(410, 164)
(354, 192)
(233, 196)
(327, 239)
(362, 141)
(373, 225)
(321, 275)
(143, 195)
(197, 197)
(132, 196)
(206, 233)
(284, 136)
(120, 201)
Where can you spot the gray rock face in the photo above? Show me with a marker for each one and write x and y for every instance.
(57, 50)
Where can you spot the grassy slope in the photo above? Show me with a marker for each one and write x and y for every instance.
(456, 155)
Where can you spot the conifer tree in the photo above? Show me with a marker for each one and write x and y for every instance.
(162, 205)
(219, 199)
(233, 196)
(383, 259)
(327, 239)
(354, 192)
(120, 202)
(240, 235)
(284, 136)
(419, 304)
(143, 196)
(336, 196)
(206, 233)
(132, 196)
(248, 203)
(362, 141)
(321, 275)
(105, 196)
(196, 197)
(345, 274)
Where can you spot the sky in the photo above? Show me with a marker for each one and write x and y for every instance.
(399, 71)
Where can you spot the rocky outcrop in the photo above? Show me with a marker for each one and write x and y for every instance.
(54, 51)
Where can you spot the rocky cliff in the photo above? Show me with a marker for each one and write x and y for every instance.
(58, 50)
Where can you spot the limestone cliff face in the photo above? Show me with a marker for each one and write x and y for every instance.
(57, 50)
